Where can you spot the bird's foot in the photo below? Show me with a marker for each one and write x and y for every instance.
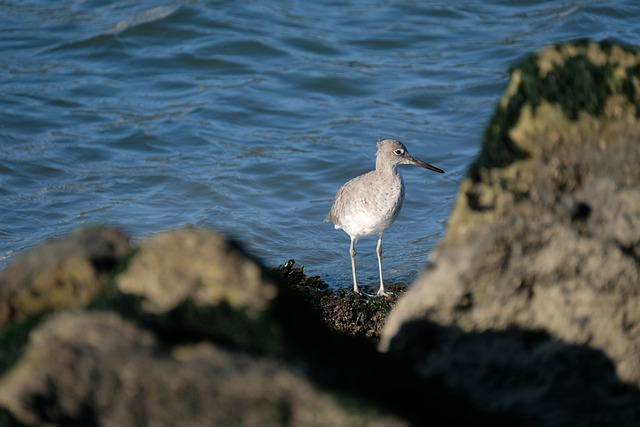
(382, 293)
(377, 294)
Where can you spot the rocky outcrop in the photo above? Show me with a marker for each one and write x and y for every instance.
(186, 334)
(532, 300)
(95, 368)
(67, 272)
(185, 329)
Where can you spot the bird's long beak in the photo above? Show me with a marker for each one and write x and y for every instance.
(425, 165)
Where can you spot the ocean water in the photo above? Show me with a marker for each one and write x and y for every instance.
(247, 117)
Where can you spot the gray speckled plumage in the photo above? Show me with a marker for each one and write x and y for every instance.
(369, 203)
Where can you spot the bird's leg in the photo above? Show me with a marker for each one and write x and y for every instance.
(352, 252)
(381, 291)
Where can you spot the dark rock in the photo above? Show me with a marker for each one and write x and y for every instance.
(345, 311)
(531, 300)
(97, 369)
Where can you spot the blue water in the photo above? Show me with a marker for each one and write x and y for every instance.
(248, 116)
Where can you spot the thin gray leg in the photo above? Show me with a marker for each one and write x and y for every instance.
(352, 252)
(381, 291)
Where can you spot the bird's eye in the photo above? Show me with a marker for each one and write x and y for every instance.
(398, 151)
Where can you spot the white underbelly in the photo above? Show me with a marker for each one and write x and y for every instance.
(363, 223)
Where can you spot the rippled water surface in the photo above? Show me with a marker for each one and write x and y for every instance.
(248, 116)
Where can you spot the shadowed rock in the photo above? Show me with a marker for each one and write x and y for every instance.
(99, 369)
(195, 282)
(191, 332)
(544, 239)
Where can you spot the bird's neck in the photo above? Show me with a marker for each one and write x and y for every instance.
(386, 169)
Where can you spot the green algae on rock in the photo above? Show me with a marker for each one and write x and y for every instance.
(582, 94)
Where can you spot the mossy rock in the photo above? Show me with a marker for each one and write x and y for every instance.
(565, 98)
(579, 77)
(343, 311)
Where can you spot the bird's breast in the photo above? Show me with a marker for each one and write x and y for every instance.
(371, 207)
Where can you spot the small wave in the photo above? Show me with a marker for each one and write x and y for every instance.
(106, 35)
(155, 14)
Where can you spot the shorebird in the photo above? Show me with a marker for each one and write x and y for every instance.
(369, 203)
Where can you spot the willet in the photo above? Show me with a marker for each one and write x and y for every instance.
(369, 203)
